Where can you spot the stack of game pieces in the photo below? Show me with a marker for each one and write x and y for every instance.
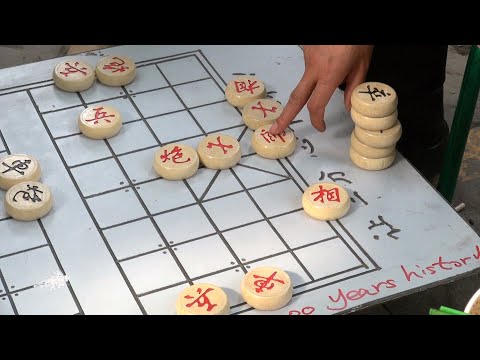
(377, 129)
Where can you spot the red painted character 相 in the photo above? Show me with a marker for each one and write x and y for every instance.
(332, 194)
(241, 86)
(263, 109)
(100, 115)
(115, 66)
(177, 155)
(265, 282)
(72, 69)
(271, 138)
(201, 300)
(222, 146)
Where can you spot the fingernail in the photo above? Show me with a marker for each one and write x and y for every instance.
(274, 128)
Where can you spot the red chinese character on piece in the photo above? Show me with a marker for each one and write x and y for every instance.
(71, 69)
(241, 86)
(100, 115)
(210, 145)
(265, 283)
(261, 108)
(202, 300)
(332, 194)
(116, 66)
(269, 137)
(177, 154)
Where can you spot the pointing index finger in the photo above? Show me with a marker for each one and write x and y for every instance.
(298, 99)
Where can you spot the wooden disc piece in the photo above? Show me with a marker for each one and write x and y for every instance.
(100, 122)
(17, 168)
(29, 200)
(266, 288)
(326, 201)
(380, 139)
(202, 299)
(372, 164)
(219, 151)
(374, 99)
(368, 151)
(116, 70)
(261, 112)
(273, 146)
(73, 76)
(176, 161)
(375, 124)
(243, 90)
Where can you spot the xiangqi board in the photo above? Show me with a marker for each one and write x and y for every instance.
(122, 240)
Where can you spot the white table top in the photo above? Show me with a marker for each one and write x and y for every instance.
(119, 240)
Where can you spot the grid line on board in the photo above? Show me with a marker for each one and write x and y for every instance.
(7, 294)
(124, 187)
(164, 143)
(48, 244)
(216, 175)
(139, 64)
(60, 267)
(212, 223)
(298, 185)
(199, 200)
(87, 207)
(304, 268)
(140, 200)
(248, 263)
(337, 221)
(358, 245)
(23, 251)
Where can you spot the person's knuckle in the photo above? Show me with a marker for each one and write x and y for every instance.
(295, 98)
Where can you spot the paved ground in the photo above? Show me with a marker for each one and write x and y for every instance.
(455, 294)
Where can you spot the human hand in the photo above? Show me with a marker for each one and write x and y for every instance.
(326, 67)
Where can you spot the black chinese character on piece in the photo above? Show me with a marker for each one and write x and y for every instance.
(28, 195)
(375, 93)
(18, 165)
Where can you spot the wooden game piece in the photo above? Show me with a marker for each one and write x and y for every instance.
(219, 152)
(266, 288)
(243, 90)
(380, 139)
(202, 299)
(273, 146)
(29, 200)
(368, 151)
(176, 162)
(100, 122)
(17, 168)
(375, 124)
(374, 99)
(116, 70)
(326, 201)
(372, 164)
(73, 76)
(261, 112)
